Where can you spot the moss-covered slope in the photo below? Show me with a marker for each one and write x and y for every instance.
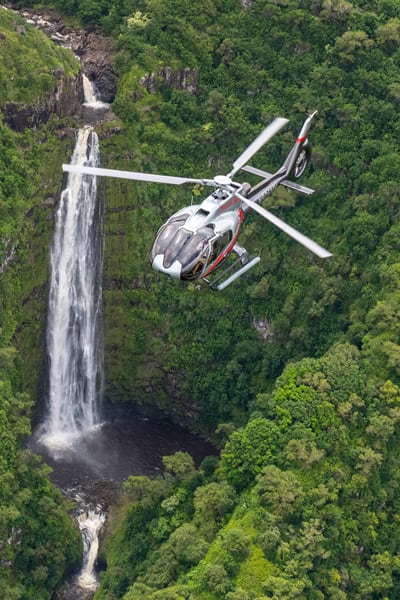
(29, 61)
(196, 355)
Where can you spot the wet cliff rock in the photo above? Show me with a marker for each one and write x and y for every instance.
(65, 101)
(181, 79)
(96, 54)
(95, 51)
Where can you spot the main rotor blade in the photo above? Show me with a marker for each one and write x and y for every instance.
(134, 175)
(264, 136)
(296, 235)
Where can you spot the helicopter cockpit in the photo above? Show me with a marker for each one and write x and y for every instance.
(179, 252)
(186, 254)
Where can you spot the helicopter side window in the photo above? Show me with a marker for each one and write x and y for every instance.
(221, 243)
(196, 248)
(195, 254)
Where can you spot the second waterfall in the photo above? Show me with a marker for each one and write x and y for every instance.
(74, 328)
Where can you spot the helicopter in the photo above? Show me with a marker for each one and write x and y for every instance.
(196, 241)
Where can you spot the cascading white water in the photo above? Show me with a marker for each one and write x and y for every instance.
(74, 326)
(75, 300)
(90, 523)
(90, 95)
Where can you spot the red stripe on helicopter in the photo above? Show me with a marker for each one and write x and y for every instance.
(229, 248)
(301, 139)
(229, 203)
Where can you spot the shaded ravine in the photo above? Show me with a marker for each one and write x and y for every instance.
(91, 472)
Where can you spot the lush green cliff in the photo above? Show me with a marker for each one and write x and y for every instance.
(303, 504)
(304, 501)
(197, 355)
(37, 539)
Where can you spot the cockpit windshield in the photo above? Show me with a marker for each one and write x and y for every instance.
(191, 249)
(166, 234)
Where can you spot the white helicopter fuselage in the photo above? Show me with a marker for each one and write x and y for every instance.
(197, 238)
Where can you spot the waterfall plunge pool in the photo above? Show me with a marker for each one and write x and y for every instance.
(116, 449)
(90, 468)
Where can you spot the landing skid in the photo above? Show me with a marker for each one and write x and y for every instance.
(244, 259)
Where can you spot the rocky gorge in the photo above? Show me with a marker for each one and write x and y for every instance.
(95, 53)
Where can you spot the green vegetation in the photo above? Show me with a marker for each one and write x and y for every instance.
(24, 51)
(303, 502)
(196, 355)
(37, 539)
(311, 513)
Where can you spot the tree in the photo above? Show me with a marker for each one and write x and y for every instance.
(279, 490)
(142, 489)
(248, 450)
(236, 543)
(213, 502)
(181, 464)
(187, 545)
(215, 579)
(388, 34)
(303, 452)
(350, 44)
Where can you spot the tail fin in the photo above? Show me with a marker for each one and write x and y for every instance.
(299, 155)
(302, 137)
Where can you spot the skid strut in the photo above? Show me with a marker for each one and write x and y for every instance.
(246, 267)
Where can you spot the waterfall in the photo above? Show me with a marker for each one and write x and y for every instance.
(74, 340)
(90, 94)
(74, 328)
(90, 522)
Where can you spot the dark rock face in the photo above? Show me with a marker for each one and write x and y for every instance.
(66, 100)
(96, 54)
(183, 79)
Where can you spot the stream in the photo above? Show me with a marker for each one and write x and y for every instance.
(91, 469)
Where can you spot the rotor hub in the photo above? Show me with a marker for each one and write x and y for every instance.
(223, 180)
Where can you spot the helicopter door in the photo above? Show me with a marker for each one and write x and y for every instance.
(195, 255)
(221, 243)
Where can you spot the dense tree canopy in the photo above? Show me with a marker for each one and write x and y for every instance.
(296, 367)
(314, 467)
